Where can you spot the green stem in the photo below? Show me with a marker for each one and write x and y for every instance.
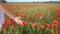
(30, 31)
(21, 29)
(37, 29)
(11, 31)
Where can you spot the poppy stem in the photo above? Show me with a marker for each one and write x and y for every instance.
(30, 31)
(21, 29)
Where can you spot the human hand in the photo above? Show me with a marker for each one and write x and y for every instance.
(18, 20)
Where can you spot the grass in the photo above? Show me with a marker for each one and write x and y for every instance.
(31, 9)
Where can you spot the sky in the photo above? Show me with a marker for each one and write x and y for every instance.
(30, 0)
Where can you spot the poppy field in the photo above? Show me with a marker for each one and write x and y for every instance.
(38, 18)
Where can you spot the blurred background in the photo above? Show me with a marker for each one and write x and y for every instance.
(32, 0)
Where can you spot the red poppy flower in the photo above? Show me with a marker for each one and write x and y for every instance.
(14, 9)
(55, 22)
(57, 13)
(49, 25)
(16, 14)
(53, 16)
(59, 18)
(5, 21)
(34, 24)
(9, 8)
(30, 18)
(58, 28)
(4, 25)
(45, 24)
(11, 21)
(24, 22)
(54, 32)
(42, 27)
(12, 26)
(37, 16)
(22, 25)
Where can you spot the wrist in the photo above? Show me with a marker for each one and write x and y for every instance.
(12, 17)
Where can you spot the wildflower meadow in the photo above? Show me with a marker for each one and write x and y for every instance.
(38, 18)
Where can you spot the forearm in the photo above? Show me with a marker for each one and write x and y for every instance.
(4, 10)
(7, 12)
